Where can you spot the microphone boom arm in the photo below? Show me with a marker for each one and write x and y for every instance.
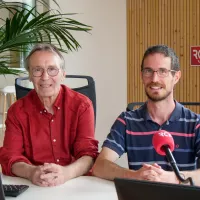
(172, 161)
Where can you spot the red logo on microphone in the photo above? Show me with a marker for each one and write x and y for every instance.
(164, 134)
(162, 138)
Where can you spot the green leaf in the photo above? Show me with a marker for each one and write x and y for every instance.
(28, 27)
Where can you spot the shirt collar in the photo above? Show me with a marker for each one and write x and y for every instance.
(176, 114)
(144, 111)
(40, 106)
(58, 100)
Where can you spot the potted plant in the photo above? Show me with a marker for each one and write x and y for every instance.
(27, 27)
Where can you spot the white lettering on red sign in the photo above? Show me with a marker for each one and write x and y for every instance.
(195, 56)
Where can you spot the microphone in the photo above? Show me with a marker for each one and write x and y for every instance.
(163, 143)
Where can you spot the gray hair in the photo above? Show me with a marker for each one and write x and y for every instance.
(45, 47)
(167, 52)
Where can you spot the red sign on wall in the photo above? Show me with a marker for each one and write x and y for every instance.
(195, 56)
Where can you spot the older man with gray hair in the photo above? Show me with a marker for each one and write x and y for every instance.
(49, 135)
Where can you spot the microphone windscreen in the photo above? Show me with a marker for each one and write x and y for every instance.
(162, 138)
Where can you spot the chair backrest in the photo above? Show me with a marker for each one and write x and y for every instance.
(87, 90)
(133, 105)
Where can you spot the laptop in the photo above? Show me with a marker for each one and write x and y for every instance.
(11, 190)
(2, 196)
(130, 189)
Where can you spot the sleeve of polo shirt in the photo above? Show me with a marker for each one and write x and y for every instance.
(197, 139)
(85, 143)
(116, 138)
(12, 150)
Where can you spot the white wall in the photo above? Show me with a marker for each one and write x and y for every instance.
(103, 56)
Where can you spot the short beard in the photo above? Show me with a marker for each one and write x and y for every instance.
(157, 98)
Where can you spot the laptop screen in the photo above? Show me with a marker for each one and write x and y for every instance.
(2, 197)
(130, 189)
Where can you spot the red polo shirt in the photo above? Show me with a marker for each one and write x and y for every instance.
(35, 136)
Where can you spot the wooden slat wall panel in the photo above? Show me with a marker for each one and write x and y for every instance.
(175, 23)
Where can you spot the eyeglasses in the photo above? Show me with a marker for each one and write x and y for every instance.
(161, 72)
(51, 71)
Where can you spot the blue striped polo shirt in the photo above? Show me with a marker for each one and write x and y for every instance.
(132, 133)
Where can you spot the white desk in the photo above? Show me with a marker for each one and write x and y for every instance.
(81, 188)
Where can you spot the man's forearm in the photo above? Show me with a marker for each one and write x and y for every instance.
(22, 169)
(78, 168)
(109, 170)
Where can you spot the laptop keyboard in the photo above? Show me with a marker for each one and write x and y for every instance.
(14, 190)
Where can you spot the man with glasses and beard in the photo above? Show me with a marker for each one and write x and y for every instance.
(132, 132)
(49, 135)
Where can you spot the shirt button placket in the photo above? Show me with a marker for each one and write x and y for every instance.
(54, 145)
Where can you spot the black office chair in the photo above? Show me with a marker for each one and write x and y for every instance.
(87, 90)
(133, 105)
